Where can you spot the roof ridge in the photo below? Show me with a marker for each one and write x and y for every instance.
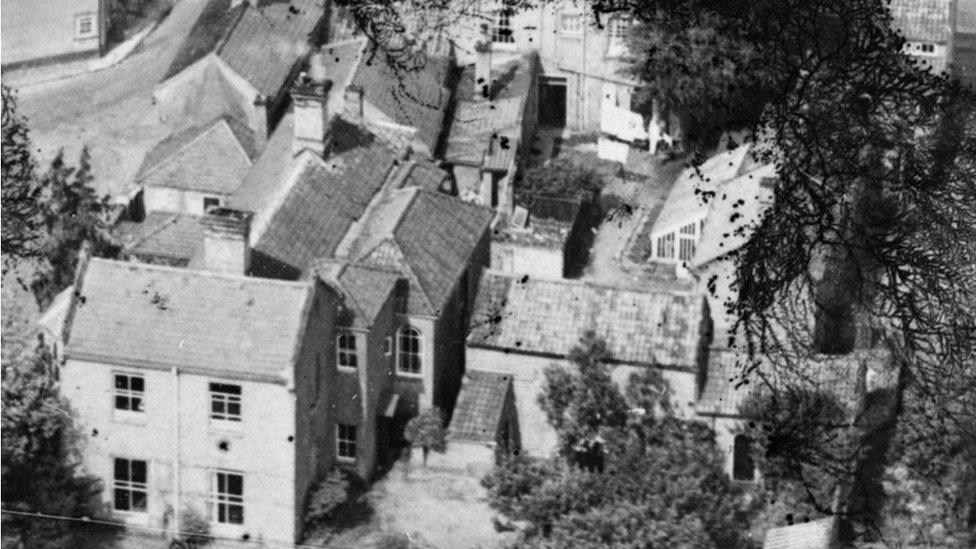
(580, 282)
(230, 28)
(198, 272)
(224, 122)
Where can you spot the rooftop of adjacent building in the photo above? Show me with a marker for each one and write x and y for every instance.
(480, 405)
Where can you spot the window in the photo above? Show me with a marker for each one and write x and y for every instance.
(85, 25)
(665, 246)
(225, 402)
(227, 497)
(571, 23)
(129, 485)
(346, 441)
(617, 30)
(501, 31)
(346, 350)
(686, 243)
(129, 392)
(743, 467)
(408, 351)
(210, 202)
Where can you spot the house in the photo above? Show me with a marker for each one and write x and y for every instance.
(41, 31)
(927, 26)
(226, 382)
(484, 426)
(239, 60)
(582, 77)
(816, 534)
(522, 325)
(181, 178)
(677, 229)
(327, 187)
(542, 239)
(491, 126)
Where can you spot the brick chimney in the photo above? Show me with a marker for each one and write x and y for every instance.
(310, 94)
(226, 247)
(482, 69)
(353, 102)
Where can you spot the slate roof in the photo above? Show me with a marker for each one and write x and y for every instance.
(365, 288)
(158, 317)
(732, 377)
(426, 175)
(816, 534)
(339, 59)
(548, 317)
(922, 20)
(261, 44)
(212, 157)
(480, 405)
(685, 199)
(428, 236)
(170, 237)
(416, 98)
(734, 213)
(269, 171)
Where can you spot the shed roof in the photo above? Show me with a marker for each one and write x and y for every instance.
(213, 157)
(480, 405)
(922, 20)
(531, 315)
(159, 317)
(816, 534)
(170, 237)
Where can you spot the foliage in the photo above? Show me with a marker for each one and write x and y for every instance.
(427, 431)
(662, 482)
(21, 225)
(40, 459)
(194, 526)
(328, 495)
(71, 215)
(583, 406)
(562, 178)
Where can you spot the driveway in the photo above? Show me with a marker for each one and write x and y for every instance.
(111, 110)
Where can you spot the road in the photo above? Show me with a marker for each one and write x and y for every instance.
(110, 111)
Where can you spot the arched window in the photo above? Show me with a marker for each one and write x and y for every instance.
(408, 351)
(743, 467)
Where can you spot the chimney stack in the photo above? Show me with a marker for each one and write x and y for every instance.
(310, 94)
(482, 69)
(226, 240)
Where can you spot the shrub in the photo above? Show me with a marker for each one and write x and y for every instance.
(427, 431)
(194, 526)
(329, 494)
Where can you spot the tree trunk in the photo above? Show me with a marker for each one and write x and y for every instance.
(426, 451)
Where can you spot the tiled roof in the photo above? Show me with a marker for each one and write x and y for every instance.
(427, 235)
(685, 200)
(212, 157)
(266, 43)
(365, 288)
(323, 201)
(479, 406)
(734, 213)
(170, 237)
(214, 22)
(269, 172)
(477, 122)
(733, 376)
(415, 98)
(817, 534)
(922, 20)
(522, 314)
(142, 315)
(261, 44)
(425, 175)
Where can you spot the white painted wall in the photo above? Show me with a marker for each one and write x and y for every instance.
(259, 445)
(163, 199)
